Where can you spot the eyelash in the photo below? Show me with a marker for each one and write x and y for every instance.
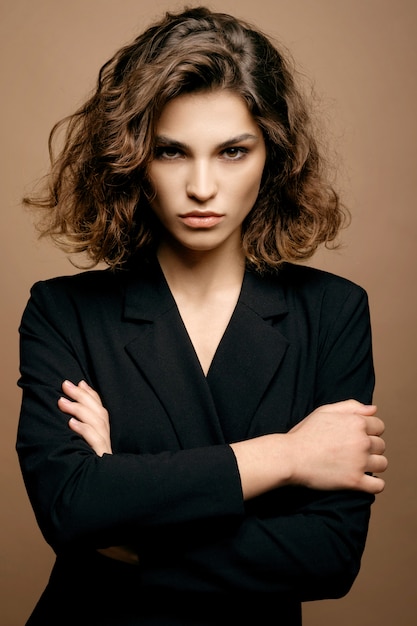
(241, 152)
(167, 153)
(161, 152)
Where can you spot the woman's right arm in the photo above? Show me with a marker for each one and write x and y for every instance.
(87, 500)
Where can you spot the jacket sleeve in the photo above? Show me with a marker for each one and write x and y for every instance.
(304, 543)
(184, 508)
(83, 500)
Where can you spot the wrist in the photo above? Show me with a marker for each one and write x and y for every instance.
(264, 464)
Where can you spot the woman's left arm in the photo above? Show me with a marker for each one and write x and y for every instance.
(311, 540)
(307, 543)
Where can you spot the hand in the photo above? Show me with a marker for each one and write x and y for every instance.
(332, 448)
(89, 418)
(337, 446)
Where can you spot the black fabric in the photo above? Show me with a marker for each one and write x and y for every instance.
(296, 340)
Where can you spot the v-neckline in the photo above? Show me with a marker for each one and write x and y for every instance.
(206, 364)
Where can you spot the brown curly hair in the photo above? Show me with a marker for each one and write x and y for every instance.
(98, 194)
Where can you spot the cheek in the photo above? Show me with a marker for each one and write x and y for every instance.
(162, 177)
(249, 187)
(165, 189)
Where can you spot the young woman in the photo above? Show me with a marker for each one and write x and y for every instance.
(197, 435)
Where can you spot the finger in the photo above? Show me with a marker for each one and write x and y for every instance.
(76, 409)
(377, 445)
(371, 484)
(351, 406)
(67, 406)
(377, 463)
(92, 392)
(85, 430)
(366, 409)
(357, 407)
(95, 415)
(82, 394)
(374, 425)
(98, 443)
(74, 391)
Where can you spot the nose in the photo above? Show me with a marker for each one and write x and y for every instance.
(201, 182)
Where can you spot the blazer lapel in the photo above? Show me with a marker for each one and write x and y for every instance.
(164, 354)
(249, 354)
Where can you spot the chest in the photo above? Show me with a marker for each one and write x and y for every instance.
(206, 325)
(152, 381)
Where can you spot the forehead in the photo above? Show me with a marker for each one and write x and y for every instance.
(216, 115)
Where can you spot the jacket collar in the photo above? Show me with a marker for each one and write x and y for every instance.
(148, 296)
(221, 407)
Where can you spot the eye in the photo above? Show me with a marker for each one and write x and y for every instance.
(234, 153)
(168, 153)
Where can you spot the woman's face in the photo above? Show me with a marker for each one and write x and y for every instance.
(206, 171)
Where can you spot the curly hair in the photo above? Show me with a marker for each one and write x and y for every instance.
(98, 194)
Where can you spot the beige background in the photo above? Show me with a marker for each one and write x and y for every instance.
(361, 55)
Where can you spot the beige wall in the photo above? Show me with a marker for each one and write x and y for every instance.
(362, 57)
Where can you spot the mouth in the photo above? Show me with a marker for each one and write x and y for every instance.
(201, 219)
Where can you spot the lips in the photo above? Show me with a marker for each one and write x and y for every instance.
(200, 219)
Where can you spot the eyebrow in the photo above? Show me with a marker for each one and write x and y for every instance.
(163, 140)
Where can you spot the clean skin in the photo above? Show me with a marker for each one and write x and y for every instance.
(209, 158)
(206, 172)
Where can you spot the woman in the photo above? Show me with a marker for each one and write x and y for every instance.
(196, 419)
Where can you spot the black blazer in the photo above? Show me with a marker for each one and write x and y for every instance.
(296, 341)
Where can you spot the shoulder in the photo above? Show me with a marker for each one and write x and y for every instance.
(314, 279)
(315, 293)
(329, 299)
(303, 292)
(310, 284)
(63, 296)
(89, 283)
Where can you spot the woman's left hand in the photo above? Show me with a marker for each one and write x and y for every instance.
(89, 418)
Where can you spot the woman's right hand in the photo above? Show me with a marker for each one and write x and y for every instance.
(337, 446)
(89, 418)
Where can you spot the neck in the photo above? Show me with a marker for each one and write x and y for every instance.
(201, 273)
